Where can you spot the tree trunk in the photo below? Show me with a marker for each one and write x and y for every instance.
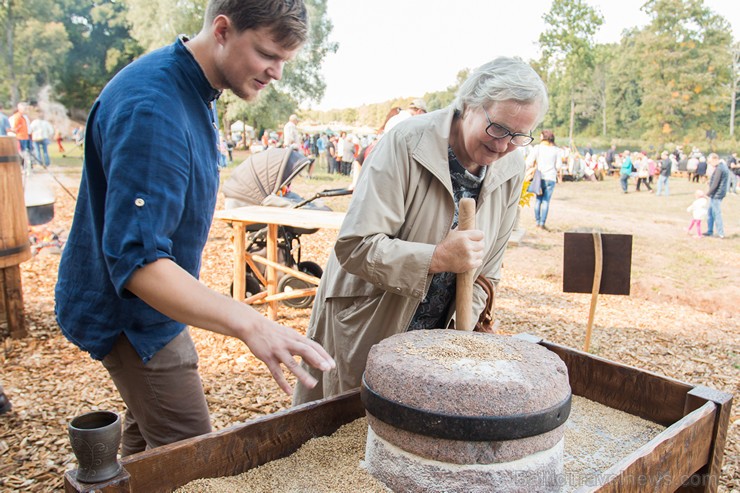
(9, 52)
(603, 117)
(732, 108)
(572, 118)
(735, 79)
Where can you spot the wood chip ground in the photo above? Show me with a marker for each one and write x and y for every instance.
(49, 381)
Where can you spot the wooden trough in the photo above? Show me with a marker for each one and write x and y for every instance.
(686, 457)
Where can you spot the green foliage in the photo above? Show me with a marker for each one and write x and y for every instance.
(23, 43)
(41, 46)
(567, 43)
(668, 82)
(101, 46)
(685, 64)
(374, 115)
(77, 47)
(266, 112)
(568, 56)
(156, 23)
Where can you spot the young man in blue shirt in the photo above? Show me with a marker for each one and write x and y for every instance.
(128, 277)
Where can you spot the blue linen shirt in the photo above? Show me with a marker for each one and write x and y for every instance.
(148, 191)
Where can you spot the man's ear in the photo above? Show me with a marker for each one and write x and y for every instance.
(221, 26)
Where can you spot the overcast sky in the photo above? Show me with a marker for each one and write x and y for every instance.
(405, 48)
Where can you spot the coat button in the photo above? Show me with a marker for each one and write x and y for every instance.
(139, 202)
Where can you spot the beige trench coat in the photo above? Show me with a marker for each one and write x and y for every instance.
(378, 272)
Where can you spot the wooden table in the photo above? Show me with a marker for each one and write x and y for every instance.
(273, 217)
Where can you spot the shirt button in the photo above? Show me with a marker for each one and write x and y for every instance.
(139, 202)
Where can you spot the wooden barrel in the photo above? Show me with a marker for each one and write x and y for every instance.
(14, 245)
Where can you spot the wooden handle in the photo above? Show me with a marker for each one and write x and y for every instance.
(464, 297)
(598, 267)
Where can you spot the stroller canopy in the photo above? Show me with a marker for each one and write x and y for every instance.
(263, 174)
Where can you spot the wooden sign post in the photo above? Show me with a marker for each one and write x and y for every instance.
(596, 263)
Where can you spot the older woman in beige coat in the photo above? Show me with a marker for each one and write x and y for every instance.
(394, 263)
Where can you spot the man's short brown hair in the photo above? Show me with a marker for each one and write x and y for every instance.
(287, 19)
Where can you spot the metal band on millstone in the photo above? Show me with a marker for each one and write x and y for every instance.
(468, 428)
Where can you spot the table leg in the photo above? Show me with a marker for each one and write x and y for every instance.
(240, 269)
(272, 255)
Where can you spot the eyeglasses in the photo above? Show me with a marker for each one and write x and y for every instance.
(498, 132)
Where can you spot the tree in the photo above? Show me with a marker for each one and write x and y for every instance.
(568, 47)
(101, 46)
(156, 23)
(42, 47)
(265, 112)
(441, 99)
(26, 32)
(684, 67)
(596, 94)
(624, 86)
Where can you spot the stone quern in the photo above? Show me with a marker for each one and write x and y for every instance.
(461, 411)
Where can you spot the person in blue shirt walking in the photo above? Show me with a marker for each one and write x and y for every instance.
(626, 170)
(4, 124)
(128, 279)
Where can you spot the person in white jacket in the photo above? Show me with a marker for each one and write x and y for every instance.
(548, 158)
(698, 210)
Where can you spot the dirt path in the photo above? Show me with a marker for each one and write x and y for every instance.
(667, 264)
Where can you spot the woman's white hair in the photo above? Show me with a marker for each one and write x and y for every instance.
(502, 79)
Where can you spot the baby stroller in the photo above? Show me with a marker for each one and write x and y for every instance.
(264, 179)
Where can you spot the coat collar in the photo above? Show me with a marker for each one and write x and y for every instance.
(429, 147)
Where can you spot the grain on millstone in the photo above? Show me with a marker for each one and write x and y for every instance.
(463, 346)
(323, 464)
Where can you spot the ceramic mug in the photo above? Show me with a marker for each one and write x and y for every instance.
(95, 438)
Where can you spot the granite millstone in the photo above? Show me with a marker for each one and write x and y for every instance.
(466, 374)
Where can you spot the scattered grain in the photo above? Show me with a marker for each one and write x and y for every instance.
(596, 437)
(323, 464)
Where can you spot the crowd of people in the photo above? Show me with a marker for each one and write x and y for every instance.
(344, 153)
(33, 132)
(340, 152)
(643, 169)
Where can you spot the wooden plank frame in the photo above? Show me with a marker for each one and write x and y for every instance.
(686, 457)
